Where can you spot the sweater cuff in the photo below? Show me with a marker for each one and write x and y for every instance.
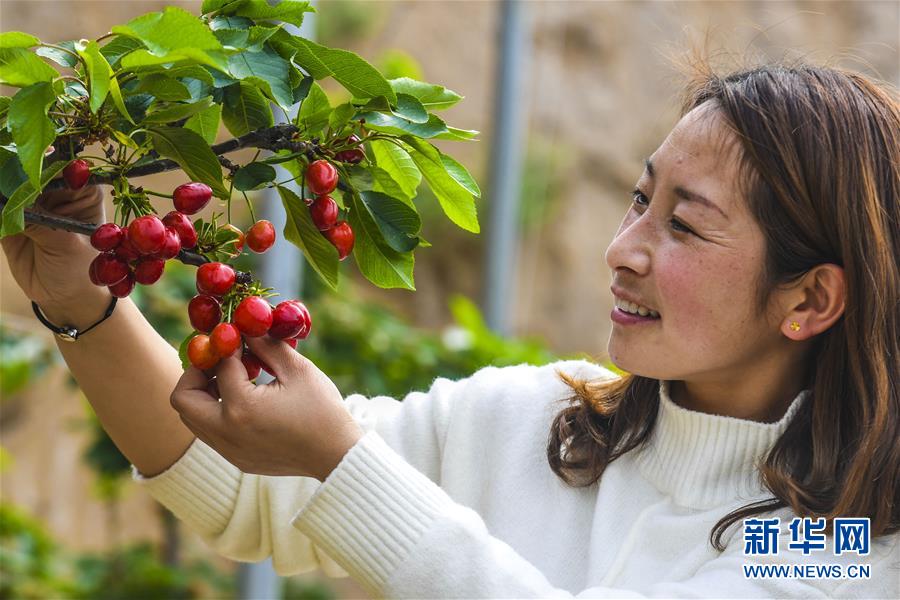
(199, 488)
(370, 512)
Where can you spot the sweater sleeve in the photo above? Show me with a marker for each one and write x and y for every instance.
(401, 536)
(244, 516)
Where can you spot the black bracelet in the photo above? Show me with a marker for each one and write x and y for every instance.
(69, 333)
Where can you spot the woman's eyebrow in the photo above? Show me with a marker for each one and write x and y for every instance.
(685, 194)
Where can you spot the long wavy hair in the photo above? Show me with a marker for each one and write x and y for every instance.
(820, 164)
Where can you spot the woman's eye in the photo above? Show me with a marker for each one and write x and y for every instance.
(640, 199)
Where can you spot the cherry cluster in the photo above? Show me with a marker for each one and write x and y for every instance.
(222, 334)
(322, 179)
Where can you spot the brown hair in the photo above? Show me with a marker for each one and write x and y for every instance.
(820, 160)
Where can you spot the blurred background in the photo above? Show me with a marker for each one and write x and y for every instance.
(597, 95)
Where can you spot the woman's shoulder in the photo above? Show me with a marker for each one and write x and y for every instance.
(544, 375)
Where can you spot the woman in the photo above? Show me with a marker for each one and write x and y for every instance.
(762, 249)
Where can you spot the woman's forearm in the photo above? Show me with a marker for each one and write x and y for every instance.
(128, 372)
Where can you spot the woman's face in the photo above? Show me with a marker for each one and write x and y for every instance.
(702, 282)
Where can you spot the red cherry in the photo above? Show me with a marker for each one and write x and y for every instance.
(324, 212)
(77, 173)
(289, 319)
(292, 342)
(110, 269)
(190, 198)
(200, 352)
(252, 364)
(239, 242)
(171, 246)
(205, 312)
(353, 156)
(107, 237)
(147, 234)
(124, 287)
(126, 250)
(215, 278)
(181, 224)
(92, 273)
(321, 177)
(261, 236)
(253, 316)
(307, 321)
(148, 270)
(341, 237)
(225, 339)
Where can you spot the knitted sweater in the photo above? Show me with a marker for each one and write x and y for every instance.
(449, 495)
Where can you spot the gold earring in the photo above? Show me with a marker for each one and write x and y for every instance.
(795, 326)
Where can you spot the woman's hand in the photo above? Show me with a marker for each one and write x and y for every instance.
(51, 266)
(295, 426)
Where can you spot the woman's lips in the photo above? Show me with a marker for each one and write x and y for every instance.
(626, 318)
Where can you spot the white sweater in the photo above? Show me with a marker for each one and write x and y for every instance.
(449, 495)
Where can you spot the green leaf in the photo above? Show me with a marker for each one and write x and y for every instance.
(58, 56)
(289, 11)
(117, 47)
(32, 130)
(460, 174)
(176, 112)
(225, 22)
(398, 164)
(182, 350)
(11, 176)
(98, 73)
(191, 72)
(214, 5)
(358, 76)
(411, 109)
(17, 39)
(249, 38)
(377, 261)
(383, 182)
(339, 117)
(172, 29)
(206, 123)
(300, 231)
(143, 60)
(21, 68)
(116, 93)
(302, 90)
(192, 154)
(432, 97)
(398, 222)
(456, 202)
(267, 70)
(163, 87)
(315, 110)
(395, 125)
(253, 175)
(457, 134)
(23, 197)
(245, 109)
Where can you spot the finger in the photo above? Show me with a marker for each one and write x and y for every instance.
(192, 379)
(278, 356)
(233, 379)
(199, 408)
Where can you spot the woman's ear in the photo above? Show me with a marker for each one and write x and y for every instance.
(818, 301)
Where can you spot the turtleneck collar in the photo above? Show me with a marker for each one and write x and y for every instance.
(705, 460)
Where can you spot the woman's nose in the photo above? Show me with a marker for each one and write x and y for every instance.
(630, 249)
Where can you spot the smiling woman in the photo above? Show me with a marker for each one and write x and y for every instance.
(764, 231)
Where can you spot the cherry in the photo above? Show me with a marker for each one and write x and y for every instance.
(124, 287)
(261, 236)
(147, 234)
(324, 212)
(77, 173)
(171, 246)
(341, 237)
(292, 342)
(204, 312)
(307, 320)
(148, 270)
(186, 231)
(252, 364)
(215, 278)
(289, 319)
(126, 250)
(253, 316)
(225, 339)
(353, 155)
(109, 269)
(200, 352)
(321, 177)
(190, 198)
(107, 237)
(92, 273)
(239, 242)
